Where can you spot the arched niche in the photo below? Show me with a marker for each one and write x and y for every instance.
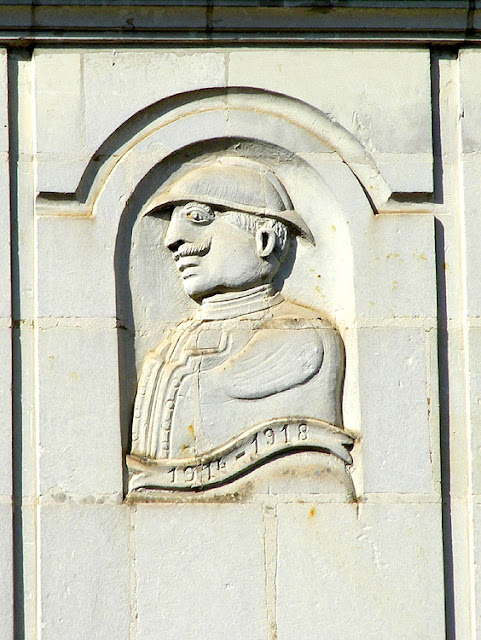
(323, 187)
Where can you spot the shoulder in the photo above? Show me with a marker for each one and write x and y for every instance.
(287, 350)
(291, 315)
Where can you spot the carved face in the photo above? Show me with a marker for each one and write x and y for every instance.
(213, 255)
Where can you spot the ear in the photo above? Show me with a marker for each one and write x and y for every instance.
(265, 241)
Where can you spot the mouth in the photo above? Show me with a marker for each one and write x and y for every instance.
(183, 264)
(187, 267)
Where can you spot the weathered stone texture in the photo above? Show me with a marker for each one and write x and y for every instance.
(240, 321)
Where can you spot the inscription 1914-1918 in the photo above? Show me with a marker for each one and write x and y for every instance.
(251, 449)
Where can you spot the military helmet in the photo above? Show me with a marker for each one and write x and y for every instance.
(233, 183)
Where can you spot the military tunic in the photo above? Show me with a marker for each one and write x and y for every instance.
(245, 358)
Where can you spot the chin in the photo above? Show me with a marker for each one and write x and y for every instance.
(196, 290)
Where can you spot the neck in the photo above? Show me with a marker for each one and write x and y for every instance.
(232, 304)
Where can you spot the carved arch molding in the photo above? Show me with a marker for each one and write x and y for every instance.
(193, 117)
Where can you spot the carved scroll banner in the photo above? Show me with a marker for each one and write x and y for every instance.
(241, 454)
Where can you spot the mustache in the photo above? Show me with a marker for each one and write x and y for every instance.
(192, 249)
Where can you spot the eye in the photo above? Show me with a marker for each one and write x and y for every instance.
(200, 214)
(197, 216)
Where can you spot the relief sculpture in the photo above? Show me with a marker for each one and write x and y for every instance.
(251, 375)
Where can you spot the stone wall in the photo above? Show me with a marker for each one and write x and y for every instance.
(240, 320)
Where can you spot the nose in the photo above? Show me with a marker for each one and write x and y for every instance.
(174, 237)
(174, 246)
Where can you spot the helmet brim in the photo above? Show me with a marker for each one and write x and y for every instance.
(167, 201)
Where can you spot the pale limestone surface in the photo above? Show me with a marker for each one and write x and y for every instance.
(306, 545)
(399, 452)
(325, 549)
(85, 578)
(361, 90)
(6, 570)
(200, 571)
(76, 454)
(371, 276)
(371, 93)
(6, 537)
(470, 158)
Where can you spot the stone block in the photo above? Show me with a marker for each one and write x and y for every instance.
(472, 233)
(470, 94)
(394, 267)
(5, 307)
(75, 268)
(370, 571)
(59, 106)
(6, 571)
(79, 430)
(113, 85)
(5, 412)
(381, 96)
(394, 400)
(119, 83)
(200, 571)
(404, 176)
(474, 346)
(5, 244)
(352, 22)
(477, 564)
(56, 171)
(459, 588)
(123, 16)
(4, 142)
(85, 577)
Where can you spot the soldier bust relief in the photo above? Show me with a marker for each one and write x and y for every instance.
(252, 375)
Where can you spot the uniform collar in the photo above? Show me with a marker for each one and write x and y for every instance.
(224, 306)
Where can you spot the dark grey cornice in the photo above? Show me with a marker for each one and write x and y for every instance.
(244, 21)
